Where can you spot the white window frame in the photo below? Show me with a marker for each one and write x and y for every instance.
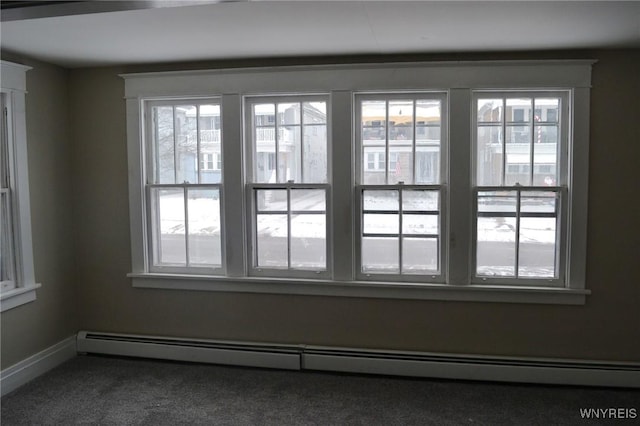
(459, 80)
(561, 187)
(360, 167)
(252, 187)
(150, 184)
(23, 289)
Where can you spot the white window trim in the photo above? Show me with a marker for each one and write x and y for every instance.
(459, 79)
(14, 88)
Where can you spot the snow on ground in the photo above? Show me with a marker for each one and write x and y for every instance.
(204, 218)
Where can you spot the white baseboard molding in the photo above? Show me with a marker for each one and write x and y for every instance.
(28, 369)
(412, 364)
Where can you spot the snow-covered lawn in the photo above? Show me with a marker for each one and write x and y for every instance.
(204, 219)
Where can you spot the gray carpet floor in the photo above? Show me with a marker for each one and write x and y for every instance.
(121, 391)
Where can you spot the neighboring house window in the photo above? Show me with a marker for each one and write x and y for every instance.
(400, 215)
(184, 220)
(16, 253)
(288, 186)
(461, 181)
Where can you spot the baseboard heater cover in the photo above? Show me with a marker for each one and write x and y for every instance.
(192, 350)
(410, 364)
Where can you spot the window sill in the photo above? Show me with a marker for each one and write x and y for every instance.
(18, 296)
(386, 290)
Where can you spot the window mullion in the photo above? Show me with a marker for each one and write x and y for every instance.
(199, 174)
(459, 231)
(175, 147)
(532, 138)
(504, 142)
(517, 239)
(289, 217)
(186, 224)
(232, 194)
(413, 148)
(400, 233)
(345, 223)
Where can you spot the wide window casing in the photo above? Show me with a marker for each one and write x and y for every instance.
(17, 278)
(439, 206)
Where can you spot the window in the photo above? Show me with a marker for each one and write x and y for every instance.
(184, 193)
(7, 260)
(451, 181)
(520, 186)
(16, 256)
(288, 187)
(400, 217)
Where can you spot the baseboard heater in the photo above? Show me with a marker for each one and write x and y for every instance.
(410, 364)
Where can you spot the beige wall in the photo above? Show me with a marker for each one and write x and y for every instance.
(606, 328)
(35, 326)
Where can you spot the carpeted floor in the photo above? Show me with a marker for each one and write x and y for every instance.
(121, 391)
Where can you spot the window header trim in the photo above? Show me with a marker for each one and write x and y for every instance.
(421, 76)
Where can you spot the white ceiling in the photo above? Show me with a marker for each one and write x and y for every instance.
(257, 29)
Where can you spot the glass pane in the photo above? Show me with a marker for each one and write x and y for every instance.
(518, 110)
(289, 113)
(374, 118)
(419, 255)
(314, 153)
(274, 200)
(289, 161)
(381, 224)
(400, 165)
(545, 156)
(315, 112)
(496, 247)
(420, 224)
(186, 143)
(427, 165)
(169, 246)
(271, 240)
(380, 254)
(428, 135)
(419, 200)
(518, 148)
(163, 145)
(6, 245)
(497, 201)
(546, 110)
(265, 155)
(401, 122)
(537, 258)
(264, 115)
(538, 202)
(204, 227)
(490, 110)
(489, 156)
(380, 200)
(308, 200)
(373, 166)
(428, 112)
(210, 165)
(309, 241)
